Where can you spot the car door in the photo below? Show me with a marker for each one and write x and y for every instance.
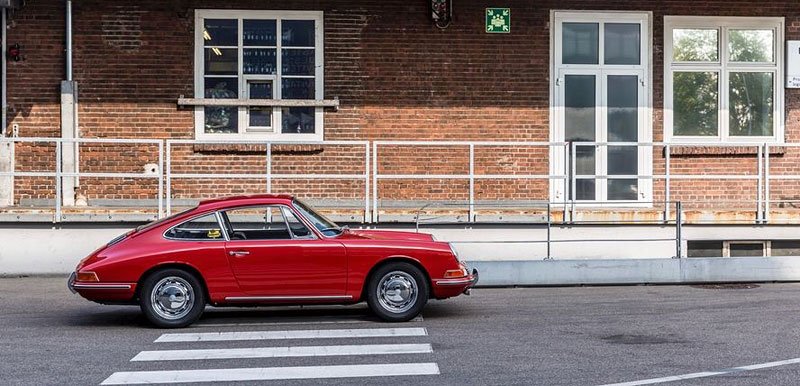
(276, 257)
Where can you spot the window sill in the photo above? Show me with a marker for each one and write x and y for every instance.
(259, 102)
(252, 149)
(733, 150)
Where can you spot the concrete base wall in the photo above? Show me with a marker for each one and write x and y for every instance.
(504, 255)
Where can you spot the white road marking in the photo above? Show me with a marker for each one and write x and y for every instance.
(292, 334)
(281, 352)
(353, 321)
(707, 373)
(271, 373)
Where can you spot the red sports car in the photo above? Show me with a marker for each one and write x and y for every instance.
(267, 250)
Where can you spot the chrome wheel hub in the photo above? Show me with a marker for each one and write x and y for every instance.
(172, 298)
(397, 292)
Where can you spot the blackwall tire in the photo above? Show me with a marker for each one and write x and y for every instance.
(397, 292)
(172, 298)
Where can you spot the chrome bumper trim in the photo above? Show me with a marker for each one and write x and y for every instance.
(101, 286)
(469, 280)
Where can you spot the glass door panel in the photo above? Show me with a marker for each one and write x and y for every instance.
(580, 125)
(622, 125)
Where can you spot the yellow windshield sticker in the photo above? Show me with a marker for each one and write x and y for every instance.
(213, 233)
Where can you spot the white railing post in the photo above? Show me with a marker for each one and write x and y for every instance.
(471, 182)
(269, 167)
(765, 216)
(666, 182)
(366, 183)
(168, 153)
(160, 179)
(573, 184)
(759, 184)
(57, 216)
(374, 182)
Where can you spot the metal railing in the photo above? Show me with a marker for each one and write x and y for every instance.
(761, 176)
(58, 174)
(548, 207)
(268, 175)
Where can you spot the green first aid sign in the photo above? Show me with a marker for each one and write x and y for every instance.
(498, 20)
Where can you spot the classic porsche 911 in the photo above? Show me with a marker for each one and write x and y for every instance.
(267, 250)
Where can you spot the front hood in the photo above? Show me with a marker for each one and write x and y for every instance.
(385, 235)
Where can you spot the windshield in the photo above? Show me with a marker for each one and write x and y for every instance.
(322, 223)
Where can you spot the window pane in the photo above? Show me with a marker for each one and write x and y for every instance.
(203, 228)
(785, 248)
(623, 108)
(579, 42)
(623, 189)
(259, 33)
(584, 189)
(623, 160)
(259, 223)
(298, 120)
(221, 88)
(704, 248)
(297, 62)
(695, 97)
(260, 116)
(260, 90)
(220, 32)
(297, 228)
(746, 250)
(622, 43)
(751, 45)
(221, 61)
(695, 45)
(751, 102)
(259, 60)
(297, 88)
(297, 33)
(221, 119)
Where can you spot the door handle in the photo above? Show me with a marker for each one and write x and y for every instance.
(238, 253)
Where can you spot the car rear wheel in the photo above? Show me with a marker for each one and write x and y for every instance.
(172, 298)
(397, 292)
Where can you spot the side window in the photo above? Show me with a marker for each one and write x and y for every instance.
(200, 228)
(297, 228)
(257, 223)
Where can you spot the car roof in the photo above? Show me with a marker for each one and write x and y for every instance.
(224, 202)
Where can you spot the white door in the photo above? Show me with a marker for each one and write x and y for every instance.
(601, 108)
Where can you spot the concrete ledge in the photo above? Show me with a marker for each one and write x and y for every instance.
(637, 271)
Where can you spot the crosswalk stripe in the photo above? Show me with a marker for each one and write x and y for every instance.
(292, 334)
(280, 352)
(294, 323)
(271, 373)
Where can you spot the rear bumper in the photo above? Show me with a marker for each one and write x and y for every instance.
(445, 288)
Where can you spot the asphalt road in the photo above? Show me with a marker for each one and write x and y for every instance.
(513, 336)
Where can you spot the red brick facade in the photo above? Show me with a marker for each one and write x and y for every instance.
(396, 74)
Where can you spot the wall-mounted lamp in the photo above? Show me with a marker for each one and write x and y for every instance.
(442, 12)
(15, 52)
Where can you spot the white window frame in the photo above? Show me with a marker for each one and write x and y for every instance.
(277, 121)
(558, 165)
(724, 67)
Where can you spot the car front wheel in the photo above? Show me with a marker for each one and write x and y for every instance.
(172, 298)
(397, 292)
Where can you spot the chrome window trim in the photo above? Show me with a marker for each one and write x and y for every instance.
(216, 215)
(281, 207)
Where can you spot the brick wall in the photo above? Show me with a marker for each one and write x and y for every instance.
(397, 77)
